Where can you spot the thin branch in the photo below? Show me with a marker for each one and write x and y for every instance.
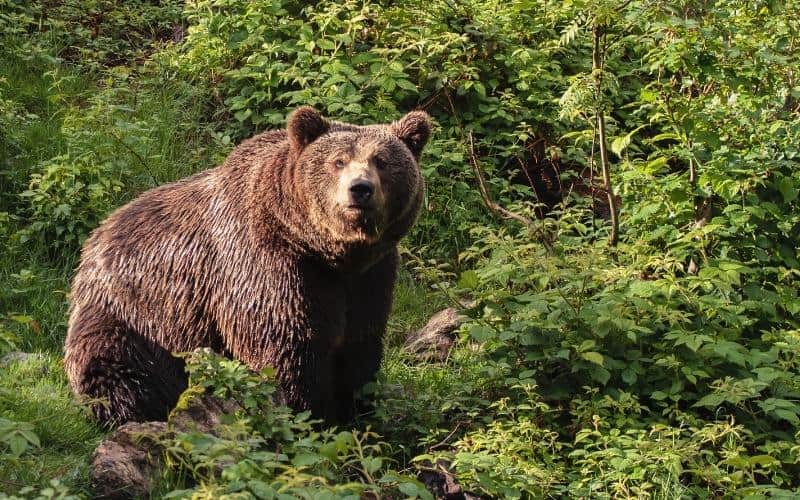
(446, 439)
(591, 180)
(597, 68)
(497, 209)
(134, 153)
(622, 6)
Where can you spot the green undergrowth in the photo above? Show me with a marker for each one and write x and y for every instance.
(266, 451)
(44, 435)
(414, 302)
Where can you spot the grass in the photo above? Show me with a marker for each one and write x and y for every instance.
(38, 294)
(34, 92)
(413, 304)
(155, 130)
(35, 390)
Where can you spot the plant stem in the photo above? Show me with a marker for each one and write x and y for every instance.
(597, 69)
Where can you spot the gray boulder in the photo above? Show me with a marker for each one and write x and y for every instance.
(127, 463)
(434, 341)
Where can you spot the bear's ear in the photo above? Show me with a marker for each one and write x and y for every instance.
(414, 129)
(304, 126)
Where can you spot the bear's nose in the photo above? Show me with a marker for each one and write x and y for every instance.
(361, 191)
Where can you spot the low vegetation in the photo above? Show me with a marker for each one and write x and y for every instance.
(612, 200)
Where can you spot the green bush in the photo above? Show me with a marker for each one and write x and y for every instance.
(67, 200)
(92, 34)
(266, 451)
(370, 62)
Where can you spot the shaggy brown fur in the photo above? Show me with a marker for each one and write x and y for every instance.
(266, 258)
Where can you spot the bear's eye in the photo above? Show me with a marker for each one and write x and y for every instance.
(380, 163)
(339, 163)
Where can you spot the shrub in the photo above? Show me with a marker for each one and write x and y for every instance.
(267, 451)
(66, 200)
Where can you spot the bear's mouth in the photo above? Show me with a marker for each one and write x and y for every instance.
(362, 219)
(359, 207)
(359, 215)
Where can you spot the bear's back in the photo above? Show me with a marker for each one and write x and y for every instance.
(146, 261)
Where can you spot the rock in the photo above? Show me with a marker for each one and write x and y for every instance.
(126, 464)
(200, 412)
(434, 340)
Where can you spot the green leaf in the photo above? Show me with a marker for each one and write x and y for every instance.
(29, 436)
(787, 415)
(414, 490)
(328, 450)
(261, 489)
(21, 319)
(325, 44)
(694, 342)
(481, 333)
(17, 444)
(654, 166)
(372, 464)
(659, 395)
(667, 136)
(406, 85)
(305, 459)
(629, 376)
(243, 115)
(468, 279)
(619, 144)
(353, 108)
(788, 190)
(711, 400)
(763, 460)
(600, 374)
(593, 357)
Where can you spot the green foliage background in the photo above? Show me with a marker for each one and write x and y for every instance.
(666, 366)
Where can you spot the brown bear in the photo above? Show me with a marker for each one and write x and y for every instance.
(285, 255)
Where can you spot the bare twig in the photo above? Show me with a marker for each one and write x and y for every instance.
(446, 439)
(591, 180)
(497, 209)
(539, 202)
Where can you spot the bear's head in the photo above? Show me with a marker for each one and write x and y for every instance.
(360, 184)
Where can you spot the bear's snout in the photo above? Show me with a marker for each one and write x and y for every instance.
(361, 191)
(359, 188)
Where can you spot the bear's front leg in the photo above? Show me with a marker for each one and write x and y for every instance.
(305, 371)
(293, 326)
(369, 302)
